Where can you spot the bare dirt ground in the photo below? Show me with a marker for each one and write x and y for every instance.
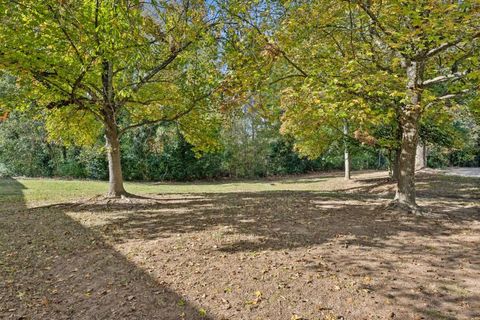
(329, 254)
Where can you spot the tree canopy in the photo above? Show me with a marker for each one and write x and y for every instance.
(371, 63)
(106, 66)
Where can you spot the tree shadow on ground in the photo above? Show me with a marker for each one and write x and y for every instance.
(11, 194)
(444, 186)
(284, 219)
(428, 186)
(52, 267)
(426, 265)
(418, 261)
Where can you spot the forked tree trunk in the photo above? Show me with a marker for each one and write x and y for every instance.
(346, 152)
(112, 142)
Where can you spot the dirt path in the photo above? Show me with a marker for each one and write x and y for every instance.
(273, 255)
(464, 172)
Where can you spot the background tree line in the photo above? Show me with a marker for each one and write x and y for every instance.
(250, 148)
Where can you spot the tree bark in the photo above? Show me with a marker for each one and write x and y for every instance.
(406, 163)
(398, 150)
(396, 164)
(112, 143)
(346, 152)
(409, 117)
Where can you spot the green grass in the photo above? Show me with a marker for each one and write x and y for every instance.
(31, 191)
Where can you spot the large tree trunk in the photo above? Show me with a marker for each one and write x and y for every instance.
(112, 143)
(398, 149)
(396, 164)
(409, 117)
(112, 140)
(406, 163)
(346, 152)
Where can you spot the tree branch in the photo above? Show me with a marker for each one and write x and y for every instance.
(265, 38)
(373, 17)
(161, 66)
(59, 104)
(150, 122)
(66, 102)
(447, 45)
(64, 31)
(440, 79)
(454, 95)
(450, 96)
(165, 119)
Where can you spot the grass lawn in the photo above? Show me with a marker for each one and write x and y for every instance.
(32, 191)
(309, 247)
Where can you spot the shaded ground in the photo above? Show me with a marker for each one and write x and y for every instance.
(288, 253)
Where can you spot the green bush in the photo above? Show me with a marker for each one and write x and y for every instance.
(251, 149)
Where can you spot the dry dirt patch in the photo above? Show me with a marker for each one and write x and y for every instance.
(251, 255)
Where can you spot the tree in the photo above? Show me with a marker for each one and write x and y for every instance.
(434, 43)
(112, 65)
(263, 72)
(370, 62)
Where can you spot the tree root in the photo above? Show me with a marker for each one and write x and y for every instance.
(130, 198)
(405, 207)
(123, 195)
